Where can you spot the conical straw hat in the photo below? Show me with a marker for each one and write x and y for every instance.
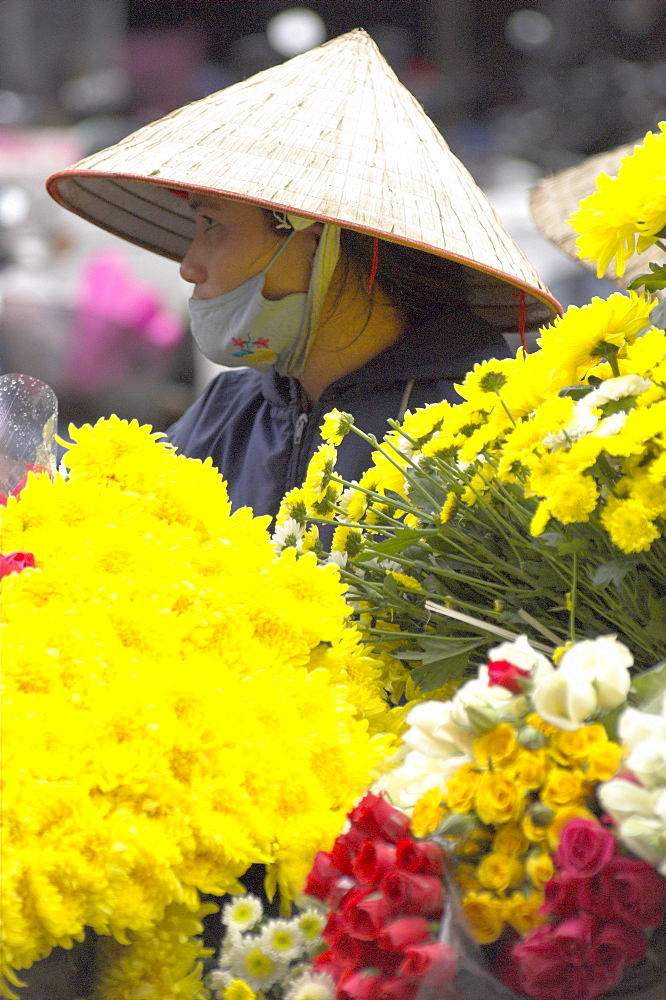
(332, 135)
(555, 198)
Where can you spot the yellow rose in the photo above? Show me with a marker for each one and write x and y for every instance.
(529, 768)
(510, 840)
(498, 799)
(461, 788)
(497, 746)
(563, 787)
(500, 872)
(539, 867)
(485, 913)
(572, 747)
(522, 911)
(428, 813)
(603, 761)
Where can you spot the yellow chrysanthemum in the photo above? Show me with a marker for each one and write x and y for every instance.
(335, 426)
(629, 525)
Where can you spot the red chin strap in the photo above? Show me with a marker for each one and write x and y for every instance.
(375, 262)
(181, 194)
(522, 318)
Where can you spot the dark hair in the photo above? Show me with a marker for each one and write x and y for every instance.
(421, 285)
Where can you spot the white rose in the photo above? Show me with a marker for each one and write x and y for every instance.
(647, 761)
(622, 798)
(564, 701)
(432, 731)
(634, 727)
(644, 837)
(520, 653)
(605, 662)
(495, 701)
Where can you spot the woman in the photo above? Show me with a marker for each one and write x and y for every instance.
(340, 255)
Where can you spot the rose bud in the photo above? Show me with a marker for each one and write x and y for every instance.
(377, 818)
(436, 956)
(412, 893)
(321, 877)
(404, 931)
(373, 861)
(423, 857)
(365, 914)
(364, 985)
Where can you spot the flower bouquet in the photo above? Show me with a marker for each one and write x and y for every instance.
(179, 703)
(502, 857)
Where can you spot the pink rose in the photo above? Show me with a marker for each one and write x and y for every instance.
(616, 947)
(639, 892)
(378, 819)
(399, 988)
(551, 967)
(585, 848)
(506, 675)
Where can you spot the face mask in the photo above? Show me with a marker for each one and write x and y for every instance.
(242, 328)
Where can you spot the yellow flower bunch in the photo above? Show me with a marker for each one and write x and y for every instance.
(178, 704)
(541, 497)
(627, 213)
(501, 813)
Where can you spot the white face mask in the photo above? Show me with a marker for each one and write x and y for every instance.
(242, 328)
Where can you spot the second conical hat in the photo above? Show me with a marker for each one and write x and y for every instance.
(555, 198)
(332, 135)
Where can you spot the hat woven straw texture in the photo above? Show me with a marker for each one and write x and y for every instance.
(332, 135)
(555, 198)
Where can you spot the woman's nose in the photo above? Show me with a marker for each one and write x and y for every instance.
(191, 269)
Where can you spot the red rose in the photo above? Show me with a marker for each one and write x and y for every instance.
(379, 820)
(365, 913)
(351, 952)
(373, 861)
(550, 968)
(424, 856)
(14, 562)
(639, 892)
(322, 876)
(409, 892)
(345, 849)
(399, 988)
(404, 931)
(326, 961)
(585, 848)
(435, 958)
(576, 932)
(616, 946)
(363, 985)
(507, 675)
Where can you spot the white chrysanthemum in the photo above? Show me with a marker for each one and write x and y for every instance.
(250, 961)
(610, 426)
(217, 982)
(311, 923)
(338, 559)
(312, 986)
(282, 940)
(289, 533)
(243, 912)
(584, 422)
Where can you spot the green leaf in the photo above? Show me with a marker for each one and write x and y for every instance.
(652, 282)
(428, 676)
(658, 315)
(437, 648)
(613, 572)
(649, 685)
(402, 538)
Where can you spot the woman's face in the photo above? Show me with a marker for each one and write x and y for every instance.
(233, 241)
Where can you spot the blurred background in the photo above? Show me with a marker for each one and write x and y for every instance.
(518, 89)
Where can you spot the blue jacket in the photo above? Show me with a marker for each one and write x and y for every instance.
(261, 436)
